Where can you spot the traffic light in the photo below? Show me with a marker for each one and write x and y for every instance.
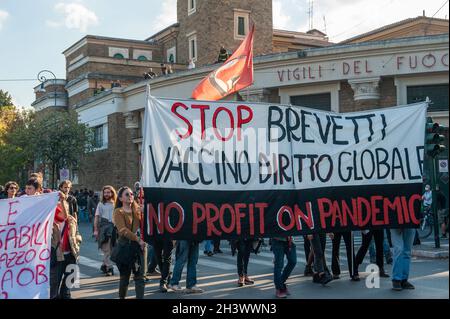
(433, 138)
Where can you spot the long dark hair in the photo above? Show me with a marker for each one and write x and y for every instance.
(113, 192)
(119, 204)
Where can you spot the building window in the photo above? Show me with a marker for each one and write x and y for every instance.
(192, 6)
(438, 95)
(320, 101)
(98, 137)
(241, 26)
(193, 47)
(172, 55)
(241, 23)
(118, 56)
(142, 58)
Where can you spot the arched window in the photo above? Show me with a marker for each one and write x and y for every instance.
(142, 58)
(118, 56)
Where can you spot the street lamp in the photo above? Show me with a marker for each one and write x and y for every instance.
(42, 78)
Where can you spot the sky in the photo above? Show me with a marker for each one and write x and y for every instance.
(34, 33)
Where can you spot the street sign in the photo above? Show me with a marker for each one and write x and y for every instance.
(443, 166)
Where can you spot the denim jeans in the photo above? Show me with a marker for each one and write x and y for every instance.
(402, 241)
(186, 251)
(208, 245)
(281, 249)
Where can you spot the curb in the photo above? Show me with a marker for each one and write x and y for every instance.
(439, 254)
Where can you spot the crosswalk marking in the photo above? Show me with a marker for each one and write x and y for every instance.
(226, 262)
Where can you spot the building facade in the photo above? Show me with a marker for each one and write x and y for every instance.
(394, 65)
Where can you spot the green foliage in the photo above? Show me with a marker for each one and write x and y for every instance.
(54, 138)
(5, 99)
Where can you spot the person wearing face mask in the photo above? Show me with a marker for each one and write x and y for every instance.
(127, 219)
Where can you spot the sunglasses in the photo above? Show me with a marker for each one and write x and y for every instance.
(13, 187)
(129, 195)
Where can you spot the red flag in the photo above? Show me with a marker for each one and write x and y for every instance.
(234, 75)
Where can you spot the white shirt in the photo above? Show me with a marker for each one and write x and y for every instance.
(105, 210)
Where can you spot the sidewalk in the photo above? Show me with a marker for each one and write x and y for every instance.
(427, 250)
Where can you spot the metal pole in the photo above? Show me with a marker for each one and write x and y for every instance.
(42, 78)
(437, 243)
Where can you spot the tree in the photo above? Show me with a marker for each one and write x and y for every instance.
(59, 141)
(15, 152)
(5, 99)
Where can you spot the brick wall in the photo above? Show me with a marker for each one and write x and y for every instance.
(118, 165)
(212, 14)
(388, 97)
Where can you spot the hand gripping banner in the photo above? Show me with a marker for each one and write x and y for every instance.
(25, 246)
(239, 170)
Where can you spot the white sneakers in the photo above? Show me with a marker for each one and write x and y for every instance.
(175, 288)
(192, 290)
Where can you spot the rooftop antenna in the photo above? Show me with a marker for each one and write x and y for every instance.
(325, 24)
(423, 13)
(311, 14)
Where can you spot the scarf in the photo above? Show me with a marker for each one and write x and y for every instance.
(65, 244)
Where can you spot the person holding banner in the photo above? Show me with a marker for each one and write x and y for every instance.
(402, 241)
(186, 251)
(69, 244)
(349, 248)
(378, 235)
(11, 189)
(127, 219)
(244, 248)
(322, 274)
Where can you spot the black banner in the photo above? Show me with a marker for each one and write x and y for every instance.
(183, 214)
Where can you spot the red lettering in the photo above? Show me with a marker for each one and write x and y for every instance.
(216, 131)
(153, 218)
(412, 211)
(239, 216)
(196, 219)
(175, 106)
(241, 120)
(262, 207)
(363, 202)
(324, 213)
(394, 206)
(227, 229)
(376, 210)
(41, 276)
(180, 211)
(280, 214)
(211, 219)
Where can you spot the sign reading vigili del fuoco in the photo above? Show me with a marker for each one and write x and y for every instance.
(416, 62)
(234, 169)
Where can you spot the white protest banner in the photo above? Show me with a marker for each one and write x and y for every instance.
(25, 246)
(237, 169)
